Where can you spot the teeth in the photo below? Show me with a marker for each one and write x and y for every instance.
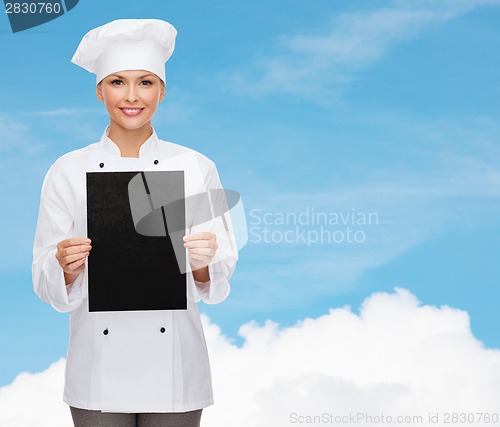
(129, 111)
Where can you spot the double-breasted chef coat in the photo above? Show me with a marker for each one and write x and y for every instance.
(129, 361)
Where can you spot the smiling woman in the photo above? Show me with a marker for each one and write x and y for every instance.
(133, 367)
(131, 98)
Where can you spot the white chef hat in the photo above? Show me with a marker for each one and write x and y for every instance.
(127, 44)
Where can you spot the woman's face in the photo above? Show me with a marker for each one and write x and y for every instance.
(131, 97)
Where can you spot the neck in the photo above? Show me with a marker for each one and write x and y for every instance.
(129, 141)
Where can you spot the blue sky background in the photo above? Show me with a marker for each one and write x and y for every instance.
(371, 106)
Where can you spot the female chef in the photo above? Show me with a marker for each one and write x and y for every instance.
(130, 368)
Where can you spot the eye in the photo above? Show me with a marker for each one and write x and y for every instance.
(147, 82)
(116, 82)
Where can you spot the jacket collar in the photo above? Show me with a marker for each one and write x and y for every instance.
(147, 148)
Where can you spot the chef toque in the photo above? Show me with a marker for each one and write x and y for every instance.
(126, 44)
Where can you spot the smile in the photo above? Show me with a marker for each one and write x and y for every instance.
(131, 111)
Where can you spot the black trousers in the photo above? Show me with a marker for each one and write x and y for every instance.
(90, 418)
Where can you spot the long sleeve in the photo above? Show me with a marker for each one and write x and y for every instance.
(55, 223)
(224, 262)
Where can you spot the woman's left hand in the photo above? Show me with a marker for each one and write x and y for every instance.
(201, 248)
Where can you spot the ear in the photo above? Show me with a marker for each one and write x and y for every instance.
(98, 92)
(163, 92)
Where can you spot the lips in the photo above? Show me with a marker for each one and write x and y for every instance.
(131, 111)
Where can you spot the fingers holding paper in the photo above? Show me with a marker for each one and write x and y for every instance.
(201, 248)
(72, 253)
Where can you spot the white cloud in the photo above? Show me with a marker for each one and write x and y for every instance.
(422, 178)
(410, 211)
(35, 399)
(29, 144)
(396, 357)
(178, 107)
(317, 66)
(77, 112)
(16, 137)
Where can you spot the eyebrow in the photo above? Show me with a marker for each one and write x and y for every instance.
(141, 77)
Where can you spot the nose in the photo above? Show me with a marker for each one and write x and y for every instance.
(132, 94)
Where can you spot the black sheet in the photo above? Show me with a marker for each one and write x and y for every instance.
(134, 261)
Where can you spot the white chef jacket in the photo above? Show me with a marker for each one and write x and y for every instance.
(129, 361)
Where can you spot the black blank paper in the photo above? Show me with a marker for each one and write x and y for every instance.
(128, 270)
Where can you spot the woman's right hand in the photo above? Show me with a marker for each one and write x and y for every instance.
(71, 254)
